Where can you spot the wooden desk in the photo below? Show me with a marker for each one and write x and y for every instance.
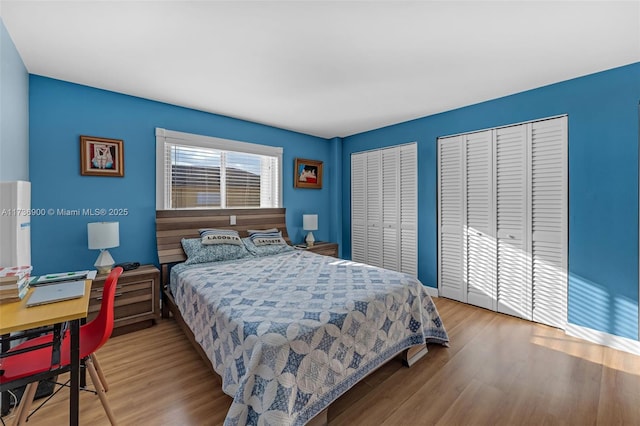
(17, 316)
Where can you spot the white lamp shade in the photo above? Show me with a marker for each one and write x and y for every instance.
(103, 235)
(310, 222)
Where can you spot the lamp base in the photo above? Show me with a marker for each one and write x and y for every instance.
(104, 263)
(310, 240)
(104, 269)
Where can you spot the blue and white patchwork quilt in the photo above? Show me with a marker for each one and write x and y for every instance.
(290, 333)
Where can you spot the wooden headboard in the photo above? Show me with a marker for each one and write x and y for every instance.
(174, 225)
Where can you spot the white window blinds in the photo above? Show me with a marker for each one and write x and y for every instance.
(195, 171)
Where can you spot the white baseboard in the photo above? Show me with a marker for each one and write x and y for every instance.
(432, 291)
(599, 337)
(616, 342)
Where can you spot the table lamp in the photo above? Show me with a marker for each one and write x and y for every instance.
(103, 236)
(310, 223)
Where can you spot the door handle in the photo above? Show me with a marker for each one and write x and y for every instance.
(116, 295)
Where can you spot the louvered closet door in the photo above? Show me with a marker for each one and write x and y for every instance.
(409, 209)
(513, 259)
(480, 228)
(374, 209)
(451, 184)
(358, 208)
(390, 204)
(549, 221)
(384, 208)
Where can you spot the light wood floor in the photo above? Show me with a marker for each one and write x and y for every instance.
(498, 370)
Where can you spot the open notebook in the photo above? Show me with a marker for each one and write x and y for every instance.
(56, 293)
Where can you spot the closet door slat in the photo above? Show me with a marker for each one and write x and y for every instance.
(512, 201)
(549, 221)
(480, 227)
(451, 249)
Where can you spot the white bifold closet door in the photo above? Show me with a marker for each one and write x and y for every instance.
(408, 208)
(358, 208)
(390, 218)
(467, 242)
(451, 217)
(502, 240)
(480, 267)
(512, 201)
(384, 208)
(373, 209)
(549, 221)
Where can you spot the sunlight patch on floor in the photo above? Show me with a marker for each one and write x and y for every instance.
(556, 340)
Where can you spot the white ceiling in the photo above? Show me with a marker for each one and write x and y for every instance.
(325, 68)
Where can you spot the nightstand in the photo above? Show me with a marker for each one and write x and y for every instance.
(326, 248)
(137, 302)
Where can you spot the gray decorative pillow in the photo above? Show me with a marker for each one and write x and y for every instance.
(220, 236)
(203, 253)
(265, 250)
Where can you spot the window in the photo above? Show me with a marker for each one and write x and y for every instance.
(195, 171)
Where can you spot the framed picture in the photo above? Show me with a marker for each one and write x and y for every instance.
(101, 157)
(308, 174)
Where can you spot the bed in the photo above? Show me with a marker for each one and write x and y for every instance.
(288, 331)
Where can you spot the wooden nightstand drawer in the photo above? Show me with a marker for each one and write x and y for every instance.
(324, 248)
(136, 300)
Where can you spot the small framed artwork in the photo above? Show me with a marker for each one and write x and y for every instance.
(308, 174)
(101, 157)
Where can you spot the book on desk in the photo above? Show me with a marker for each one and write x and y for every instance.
(14, 283)
(62, 277)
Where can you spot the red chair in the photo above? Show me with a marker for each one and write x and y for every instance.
(92, 336)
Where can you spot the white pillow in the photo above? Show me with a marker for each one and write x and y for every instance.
(267, 237)
(220, 236)
(262, 231)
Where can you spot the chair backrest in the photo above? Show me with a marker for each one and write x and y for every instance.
(100, 328)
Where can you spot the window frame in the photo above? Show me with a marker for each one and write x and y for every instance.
(164, 137)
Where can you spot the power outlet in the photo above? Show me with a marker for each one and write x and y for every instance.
(232, 220)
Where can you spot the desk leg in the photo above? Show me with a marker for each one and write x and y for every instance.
(5, 397)
(74, 400)
(83, 369)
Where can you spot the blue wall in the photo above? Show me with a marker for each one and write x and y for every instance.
(603, 185)
(603, 177)
(14, 111)
(60, 112)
